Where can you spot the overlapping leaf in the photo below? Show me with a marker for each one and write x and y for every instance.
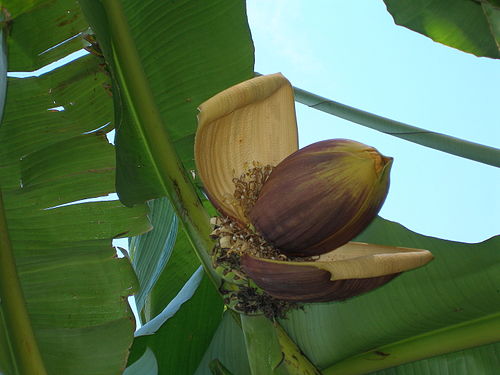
(37, 27)
(455, 291)
(180, 341)
(181, 265)
(228, 346)
(146, 365)
(74, 286)
(151, 251)
(200, 49)
(470, 26)
(188, 50)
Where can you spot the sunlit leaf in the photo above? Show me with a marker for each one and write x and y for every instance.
(45, 31)
(188, 66)
(470, 26)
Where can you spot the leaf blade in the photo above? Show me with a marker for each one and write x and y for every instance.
(459, 24)
(74, 287)
(193, 325)
(150, 252)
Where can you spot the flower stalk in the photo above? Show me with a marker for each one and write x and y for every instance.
(270, 350)
(437, 141)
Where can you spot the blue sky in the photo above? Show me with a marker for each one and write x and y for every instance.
(353, 53)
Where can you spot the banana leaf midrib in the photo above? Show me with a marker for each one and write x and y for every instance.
(469, 334)
(437, 141)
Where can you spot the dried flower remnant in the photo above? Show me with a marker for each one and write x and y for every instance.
(233, 239)
(248, 187)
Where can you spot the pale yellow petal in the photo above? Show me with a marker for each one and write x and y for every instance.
(253, 121)
(356, 260)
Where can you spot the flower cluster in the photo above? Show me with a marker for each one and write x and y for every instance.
(288, 215)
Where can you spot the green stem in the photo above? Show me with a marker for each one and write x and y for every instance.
(271, 351)
(437, 141)
(27, 356)
(172, 174)
(450, 339)
(263, 348)
(294, 360)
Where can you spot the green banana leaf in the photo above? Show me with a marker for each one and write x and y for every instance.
(263, 351)
(270, 350)
(227, 346)
(156, 95)
(40, 25)
(146, 365)
(200, 48)
(73, 285)
(151, 251)
(189, 66)
(470, 26)
(181, 265)
(180, 334)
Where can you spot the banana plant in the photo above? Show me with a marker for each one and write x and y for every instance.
(150, 66)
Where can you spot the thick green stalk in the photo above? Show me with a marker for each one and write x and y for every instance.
(142, 104)
(263, 348)
(450, 339)
(27, 358)
(437, 141)
(271, 351)
(293, 359)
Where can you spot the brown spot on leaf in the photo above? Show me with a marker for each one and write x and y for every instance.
(69, 20)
